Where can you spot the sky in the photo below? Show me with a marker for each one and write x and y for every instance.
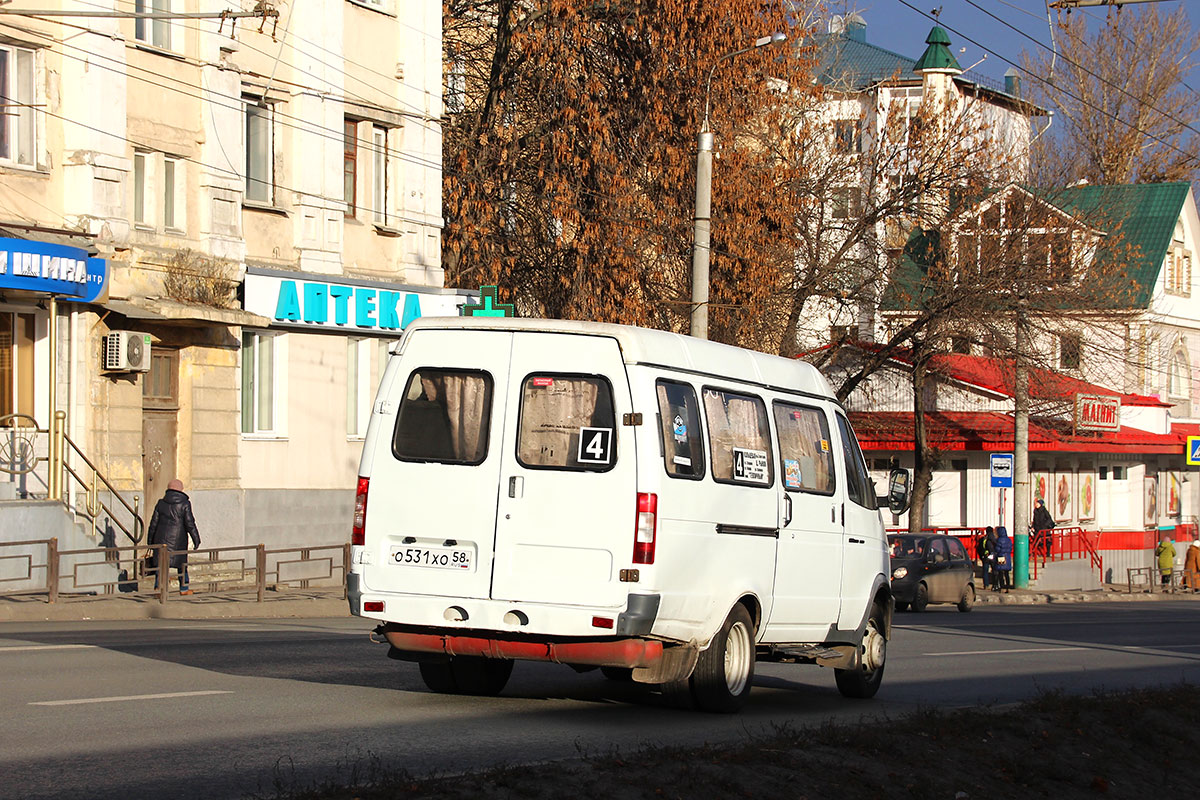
(901, 26)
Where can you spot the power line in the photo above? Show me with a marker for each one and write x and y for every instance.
(1067, 92)
(1079, 66)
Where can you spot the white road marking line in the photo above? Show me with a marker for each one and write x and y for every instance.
(127, 697)
(25, 647)
(1001, 652)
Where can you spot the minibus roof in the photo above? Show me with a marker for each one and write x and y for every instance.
(662, 348)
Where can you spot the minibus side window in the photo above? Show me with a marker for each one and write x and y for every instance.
(805, 449)
(567, 422)
(679, 421)
(739, 438)
(444, 417)
(859, 487)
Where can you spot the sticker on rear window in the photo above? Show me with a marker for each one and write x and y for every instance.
(680, 429)
(791, 474)
(543, 381)
(595, 446)
(749, 466)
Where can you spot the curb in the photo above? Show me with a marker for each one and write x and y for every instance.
(222, 606)
(1109, 595)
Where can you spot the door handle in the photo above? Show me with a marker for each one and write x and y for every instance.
(857, 541)
(787, 510)
(516, 486)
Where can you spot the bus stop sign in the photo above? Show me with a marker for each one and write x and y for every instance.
(1002, 470)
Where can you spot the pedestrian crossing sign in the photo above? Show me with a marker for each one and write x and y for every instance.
(1193, 450)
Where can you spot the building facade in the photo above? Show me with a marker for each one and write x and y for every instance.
(210, 162)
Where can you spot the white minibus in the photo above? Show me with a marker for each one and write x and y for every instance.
(668, 509)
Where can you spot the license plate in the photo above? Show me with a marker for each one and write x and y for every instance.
(435, 557)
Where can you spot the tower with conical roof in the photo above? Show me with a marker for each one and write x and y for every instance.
(937, 66)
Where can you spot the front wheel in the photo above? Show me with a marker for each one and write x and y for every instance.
(467, 675)
(921, 598)
(724, 671)
(863, 682)
(968, 599)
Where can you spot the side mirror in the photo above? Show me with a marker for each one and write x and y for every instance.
(899, 494)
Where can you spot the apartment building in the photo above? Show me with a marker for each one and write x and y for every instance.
(261, 197)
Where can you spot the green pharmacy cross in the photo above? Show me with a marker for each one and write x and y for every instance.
(489, 305)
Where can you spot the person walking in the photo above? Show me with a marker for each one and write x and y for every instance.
(1041, 527)
(1004, 551)
(987, 556)
(1165, 553)
(171, 525)
(1191, 567)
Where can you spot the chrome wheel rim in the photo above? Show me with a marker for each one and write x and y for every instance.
(874, 649)
(738, 656)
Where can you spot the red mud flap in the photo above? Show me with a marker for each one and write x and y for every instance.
(609, 653)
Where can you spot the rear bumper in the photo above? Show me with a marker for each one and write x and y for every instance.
(633, 653)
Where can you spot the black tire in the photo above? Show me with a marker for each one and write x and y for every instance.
(725, 670)
(901, 605)
(863, 682)
(619, 674)
(467, 675)
(968, 599)
(920, 598)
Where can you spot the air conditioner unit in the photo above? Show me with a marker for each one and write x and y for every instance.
(127, 351)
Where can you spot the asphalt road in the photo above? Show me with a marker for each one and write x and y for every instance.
(206, 709)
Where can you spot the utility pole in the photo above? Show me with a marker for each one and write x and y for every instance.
(1020, 455)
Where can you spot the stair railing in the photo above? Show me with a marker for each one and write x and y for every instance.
(93, 505)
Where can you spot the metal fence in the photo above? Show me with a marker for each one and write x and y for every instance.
(38, 567)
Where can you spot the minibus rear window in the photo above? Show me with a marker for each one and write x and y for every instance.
(739, 438)
(805, 449)
(444, 417)
(679, 421)
(567, 422)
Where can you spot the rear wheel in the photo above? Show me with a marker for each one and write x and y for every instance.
(968, 599)
(863, 682)
(724, 672)
(467, 675)
(921, 598)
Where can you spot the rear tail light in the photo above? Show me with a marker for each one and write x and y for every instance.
(359, 533)
(645, 529)
(373, 605)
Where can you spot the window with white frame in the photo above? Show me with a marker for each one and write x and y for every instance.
(154, 32)
(18, 95)
(260, 152)
(172, 193)
(140, 171)
(358, 386)
(158, 191)
(1070, 351)
(847, 202)
(1179, 271)
(379, 174)
(847, 136)
(350, 165)
(263, 359)
(1179, 376)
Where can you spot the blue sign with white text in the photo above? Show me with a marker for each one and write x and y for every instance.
(51, 269)
(1002, 470)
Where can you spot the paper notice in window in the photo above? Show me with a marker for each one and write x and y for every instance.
(749, 466)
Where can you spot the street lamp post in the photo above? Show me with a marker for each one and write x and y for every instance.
(702, 223)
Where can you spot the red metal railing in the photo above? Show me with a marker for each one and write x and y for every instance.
(1063, 544)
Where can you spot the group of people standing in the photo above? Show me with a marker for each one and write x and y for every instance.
(995, 551)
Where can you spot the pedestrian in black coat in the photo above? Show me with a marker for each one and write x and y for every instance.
(171, 525)
(1042, 521)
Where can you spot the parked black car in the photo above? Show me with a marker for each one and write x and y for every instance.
(930, 569)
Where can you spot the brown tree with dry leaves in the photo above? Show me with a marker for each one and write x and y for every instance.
(570, 156)
(1124, 113)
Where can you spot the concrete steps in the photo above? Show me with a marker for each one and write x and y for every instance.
(1074, 574)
